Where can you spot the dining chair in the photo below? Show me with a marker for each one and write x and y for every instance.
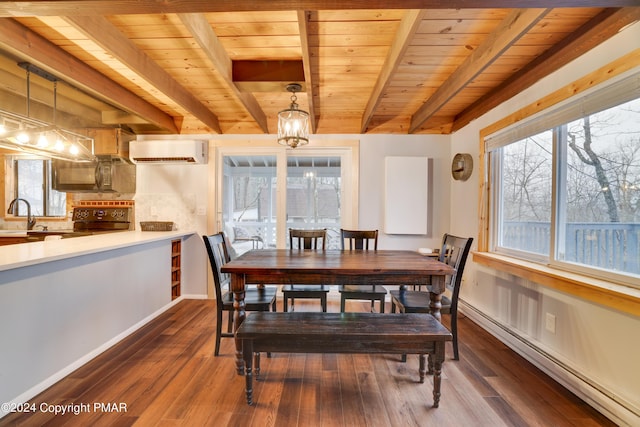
(261, 299)
(361, 240)
(454, 252)
(306, 240)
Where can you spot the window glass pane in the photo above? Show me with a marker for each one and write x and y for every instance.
(525, 194)
(313, 195)
(30, 174)
(600, 216)
(249, 202)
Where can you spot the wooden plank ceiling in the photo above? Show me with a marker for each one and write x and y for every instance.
(168, 67)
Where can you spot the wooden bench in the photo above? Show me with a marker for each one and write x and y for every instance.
(300, 332)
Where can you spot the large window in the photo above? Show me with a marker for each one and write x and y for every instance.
(31, 181)
(566, 184)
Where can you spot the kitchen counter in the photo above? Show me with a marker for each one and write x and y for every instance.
(32, 253)
(63, 302)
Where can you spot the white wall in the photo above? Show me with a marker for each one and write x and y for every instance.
(178, 193)
(373, 150)
(597, 343)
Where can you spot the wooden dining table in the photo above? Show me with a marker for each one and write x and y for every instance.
(332, 267)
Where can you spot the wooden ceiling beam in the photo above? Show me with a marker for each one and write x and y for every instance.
(101, 32)
(24, 43)
(119, 7)
(603, 26)
(267, 76)
(404, 35)
(306, 64)
(514, 26)
(206, 38)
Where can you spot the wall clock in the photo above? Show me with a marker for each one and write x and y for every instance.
(461, 166)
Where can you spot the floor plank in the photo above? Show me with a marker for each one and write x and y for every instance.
(166, 375)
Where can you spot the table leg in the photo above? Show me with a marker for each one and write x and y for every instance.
(437, 289)
(237, 286)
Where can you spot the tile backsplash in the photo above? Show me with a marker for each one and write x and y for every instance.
(179, 208)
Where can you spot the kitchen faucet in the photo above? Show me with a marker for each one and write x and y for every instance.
(13, 208)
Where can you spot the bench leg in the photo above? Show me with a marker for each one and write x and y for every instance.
(437, 371)
(437, 360)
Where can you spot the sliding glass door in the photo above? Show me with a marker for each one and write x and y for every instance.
(261, 196)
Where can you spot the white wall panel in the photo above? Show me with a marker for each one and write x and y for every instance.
(406, 195)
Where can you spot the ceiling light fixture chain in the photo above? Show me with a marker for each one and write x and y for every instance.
(293, 123)
(28, 93)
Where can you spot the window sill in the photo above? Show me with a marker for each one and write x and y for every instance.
(618, 297)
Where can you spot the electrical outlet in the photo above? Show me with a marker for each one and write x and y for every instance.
(550, 323)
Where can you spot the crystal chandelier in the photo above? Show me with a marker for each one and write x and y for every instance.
(293, 124)
(37, 137)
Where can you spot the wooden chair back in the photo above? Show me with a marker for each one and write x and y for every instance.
(307, 239)
(454, 252)
(218, 256)
(359, 239)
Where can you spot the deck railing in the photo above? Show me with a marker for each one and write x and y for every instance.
(611, 246)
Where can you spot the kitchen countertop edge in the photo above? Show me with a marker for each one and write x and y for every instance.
(33, 253)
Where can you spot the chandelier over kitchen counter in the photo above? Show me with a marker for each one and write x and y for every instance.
(33, 136)
(293, 124)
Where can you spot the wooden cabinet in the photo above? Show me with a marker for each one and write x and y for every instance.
(109, 141)
(176, 268)
(12, 240)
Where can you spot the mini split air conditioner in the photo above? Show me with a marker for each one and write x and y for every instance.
(168, 151)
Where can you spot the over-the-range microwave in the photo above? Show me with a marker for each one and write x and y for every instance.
(108, 174)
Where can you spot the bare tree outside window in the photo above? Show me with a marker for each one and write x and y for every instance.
(608, 143)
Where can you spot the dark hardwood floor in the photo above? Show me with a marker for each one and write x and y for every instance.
(166, 375)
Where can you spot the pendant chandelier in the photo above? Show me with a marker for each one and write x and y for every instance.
(37, 137)
(293, 124)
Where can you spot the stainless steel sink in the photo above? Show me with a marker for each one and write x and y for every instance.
(38, 235)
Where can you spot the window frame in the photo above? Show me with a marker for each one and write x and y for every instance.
(496, 215)
(620, 297)
(11, 187)
(557, 223)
